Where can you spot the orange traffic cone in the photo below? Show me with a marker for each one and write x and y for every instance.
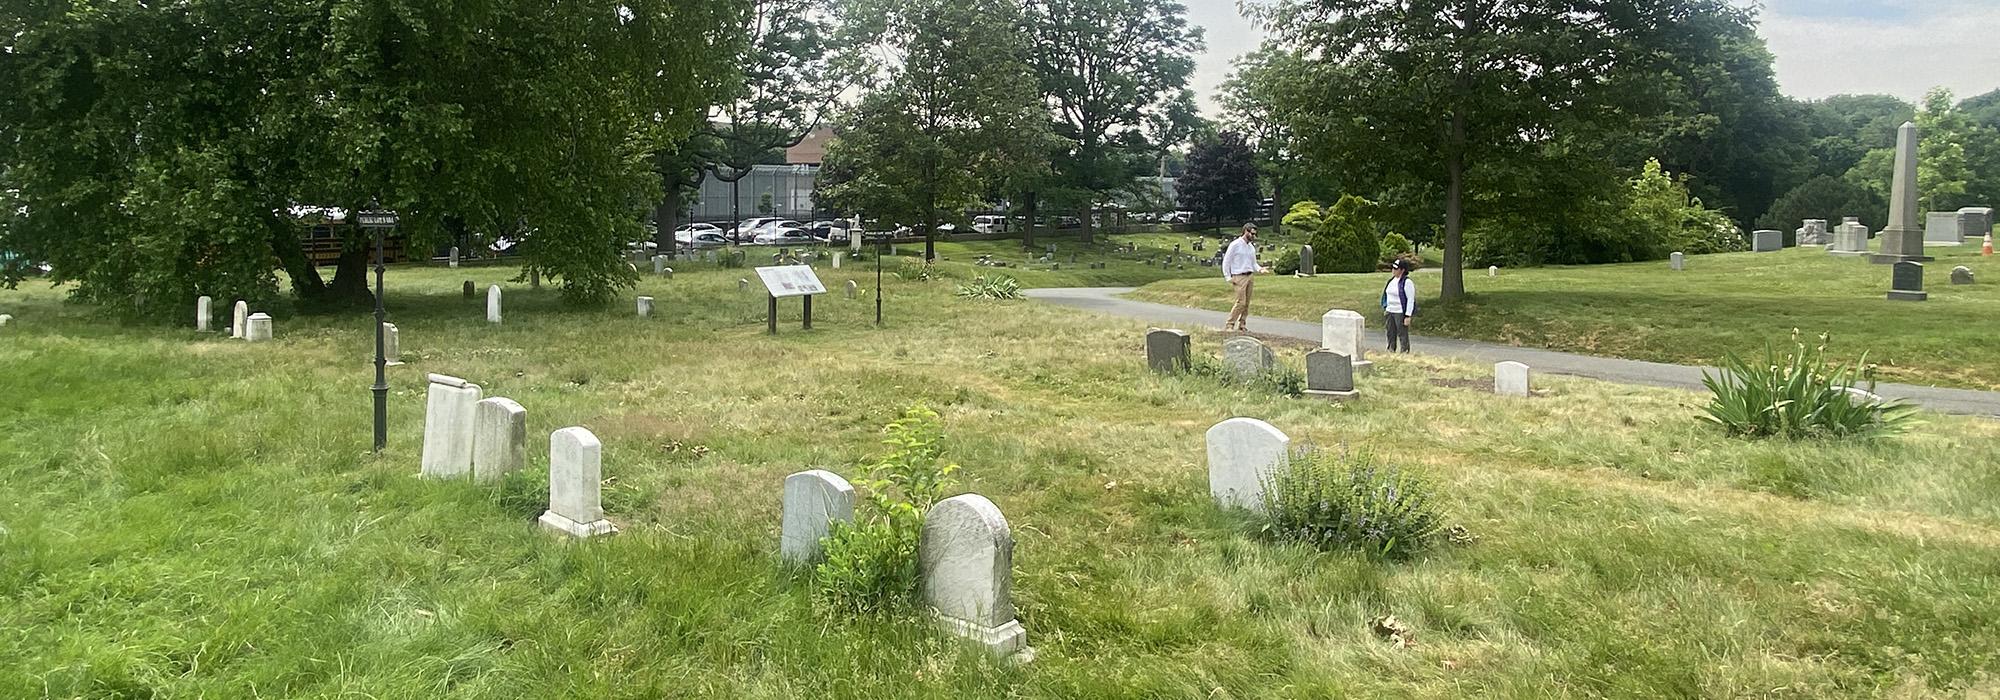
(1987, 249)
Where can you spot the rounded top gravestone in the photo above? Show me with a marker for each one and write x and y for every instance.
(1242, 453)
(813, 500)
(967, 554)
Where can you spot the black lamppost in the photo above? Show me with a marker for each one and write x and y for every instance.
(881, 246)
(380, 222)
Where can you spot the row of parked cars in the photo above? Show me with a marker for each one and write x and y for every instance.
(763, 230)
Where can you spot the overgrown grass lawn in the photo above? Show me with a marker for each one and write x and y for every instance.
(1734, 302)
(188, 516)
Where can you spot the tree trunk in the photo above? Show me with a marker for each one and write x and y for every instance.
(1278, 208)
(1087, 239)
(1028, 228)
(350, 278)
(306, 282)
(1454, 213)
(667, 218)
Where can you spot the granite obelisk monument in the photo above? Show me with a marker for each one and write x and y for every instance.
(1903, 240)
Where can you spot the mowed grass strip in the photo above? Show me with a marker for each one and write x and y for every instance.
(192, 516)
(1733, 302)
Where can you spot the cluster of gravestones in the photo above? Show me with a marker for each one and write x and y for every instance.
(487, 438)
(1330, 369)
(245, 325)
(966, 554)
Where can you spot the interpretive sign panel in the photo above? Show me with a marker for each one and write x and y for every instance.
(790, 280)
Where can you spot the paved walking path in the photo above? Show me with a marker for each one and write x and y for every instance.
(1108, 300)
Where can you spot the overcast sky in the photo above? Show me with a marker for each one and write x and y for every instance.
(1823, 47)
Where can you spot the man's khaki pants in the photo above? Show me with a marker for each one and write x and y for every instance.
(1239, 314)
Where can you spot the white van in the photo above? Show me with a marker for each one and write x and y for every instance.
(989, 223)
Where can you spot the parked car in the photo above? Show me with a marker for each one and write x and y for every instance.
(705, 239)
(784, 236)
(828, 234)
(989, 223)
(748, 227)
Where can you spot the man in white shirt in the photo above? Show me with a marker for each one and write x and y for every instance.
(1238, 264)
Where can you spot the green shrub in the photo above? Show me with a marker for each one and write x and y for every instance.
(916, 270)
(1338, 501)
(1799, 395)
(871, 566)
(1287, 264)
(995, 288)
(1394, 246)
(1284, 379)
(1343, 236)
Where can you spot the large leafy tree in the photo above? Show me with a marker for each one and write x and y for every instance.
(1500, 98)
(1740, 141)
(1108, 70)
(1220, 184)
(154, 151)
(955, 115)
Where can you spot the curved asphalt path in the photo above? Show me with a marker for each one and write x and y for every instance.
(1109, 300)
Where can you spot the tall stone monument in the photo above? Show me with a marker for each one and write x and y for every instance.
(1903, 239)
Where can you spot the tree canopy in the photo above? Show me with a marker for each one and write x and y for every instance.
(155, 151)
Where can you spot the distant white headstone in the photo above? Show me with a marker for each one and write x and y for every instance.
(836, 260)
(1510, 379)
(241, 317)
(203, 315)
(1247, 358)
(1242, 453)
(645, 307)
(499, 438)
(852, 289)
(493, 304)
(448, 415)
(814, 499)
(576, 483)
(1492, 270)
(1678, 261)
(258, 327)
(392, 345)
(967, 559)
(6, 319)
(1342, 331)
(454, 257)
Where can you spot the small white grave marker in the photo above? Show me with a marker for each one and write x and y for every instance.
(967, 558)
(1242, 453)
(448, 413)
(1510, 378)
(576, 483)
(499, 438)
(493, 304)
(814, 499)
(203, 314)
(257, 327)
(1344, 332)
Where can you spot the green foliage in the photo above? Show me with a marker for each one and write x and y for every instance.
(158, 166)
(871, 567)
(916, 270)
(1221, 180)
(1284, 379)
(1824, 197)
(1799, 395)
(1343, 237)
(1338, 501)
(1662, 218)
(1287, 263)
(998, 287)
(1394, 246)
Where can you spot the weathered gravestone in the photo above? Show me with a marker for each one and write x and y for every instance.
(392, 345)
(576, 485)
(645, 307)
(1906, 283)
(1941, 228)
(1975, 222)
(1510, 379)
(493, 304)
(468, 290)
(742, 284)
(203, 315)
(257, 328)
(241, 316)
(1813, 232)
(5, 319)
(1961, 275)
(1307, 266)
(1678, 261)
(659, 265)
(1247, 358)
(1850, 238)
(814, 499)
(966, 556)
(1330, 375)
(448, 415)
(1766, 241)
(454, 257)
(1492, 270)
(1243, 454)
(499, 438)
(1343, 331)
(1167, 350)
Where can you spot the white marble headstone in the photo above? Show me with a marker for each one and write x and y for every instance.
(258, 327)
(392, 345)
(499, 438)
(241, 317)
(814, 499)
(645, 307)
(1344, 332)
(448, 414)
(454, 257)
(967, 559)
(1510, 378)
(493, 304)
(1242, 454)
(576, 482)
(204, 314)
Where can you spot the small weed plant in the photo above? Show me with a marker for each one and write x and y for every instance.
(1800, 395)
(871, 566)
(916, 270)
(1280, 378)
(983, 287)
(1338, 501)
